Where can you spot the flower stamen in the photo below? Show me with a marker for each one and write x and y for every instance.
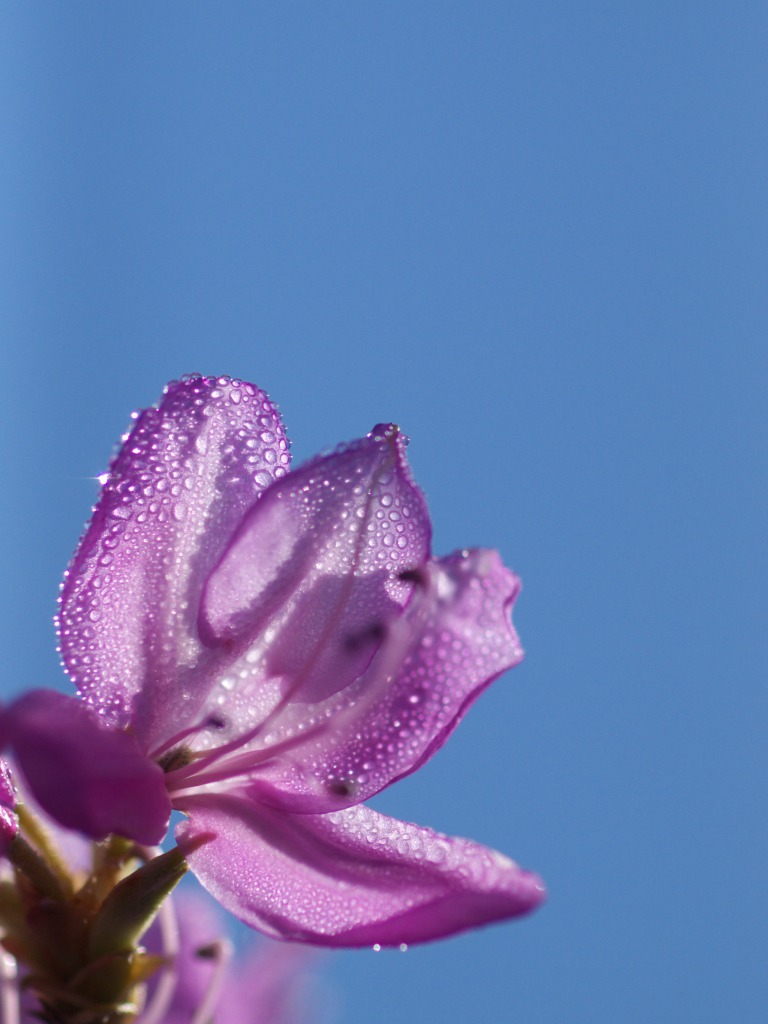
(169, 977)
(10, 1007)
(221, 953)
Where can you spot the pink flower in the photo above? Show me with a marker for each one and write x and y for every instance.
(264, 651)
(9, 825)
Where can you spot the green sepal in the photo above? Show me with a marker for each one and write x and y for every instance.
(108, 981)
(11, 907)
(36, 869)
(40, 838)
(90, 998)
(132, 905)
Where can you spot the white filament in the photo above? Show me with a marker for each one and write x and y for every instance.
(166, 985)
(222, 953)
(10, 1011)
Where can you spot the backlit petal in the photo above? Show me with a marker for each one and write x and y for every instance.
(84, 774)
(455, 637)
(185, 475)
(350, 878)
(307, 587)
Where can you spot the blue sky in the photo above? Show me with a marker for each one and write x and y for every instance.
(532, 234)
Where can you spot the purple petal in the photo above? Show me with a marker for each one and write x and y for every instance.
(200, 925)
(9, 824)
(87, 776)
(184, 477)
(306, 588)
(263, 984)
(455, 637)
(350, 878)
(274, 981)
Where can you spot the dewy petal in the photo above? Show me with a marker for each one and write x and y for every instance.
(350, 878)
(86, 775)
(310, 580)
(185, 475)
(455, 637)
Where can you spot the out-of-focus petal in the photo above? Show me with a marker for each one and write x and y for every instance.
(263, 983)
(200, 926)
(274, 981)
(350, 878)
(84, 774)
(312, 577)
(185, 475)
(9, 824)
(455, 637)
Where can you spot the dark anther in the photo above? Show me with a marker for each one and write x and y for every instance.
(179, 757)
(340, 787)
(370, 634)
(412, 576)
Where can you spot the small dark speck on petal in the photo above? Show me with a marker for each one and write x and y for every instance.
(412, 576)
(373, 633)
(340, 787)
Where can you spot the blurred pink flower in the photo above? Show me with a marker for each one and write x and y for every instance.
(266, 983)
(9, 825)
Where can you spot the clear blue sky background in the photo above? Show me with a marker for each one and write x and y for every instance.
(533, 234)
